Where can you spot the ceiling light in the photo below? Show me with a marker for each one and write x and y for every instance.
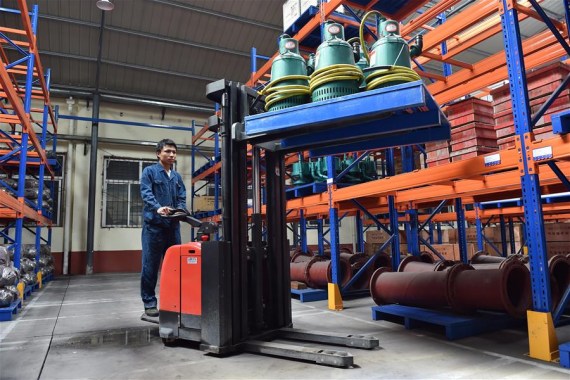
(105, 5)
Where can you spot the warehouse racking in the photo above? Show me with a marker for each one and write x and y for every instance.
(207, 176)
(29, 135)
(479, 189)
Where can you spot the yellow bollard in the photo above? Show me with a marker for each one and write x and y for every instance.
(335, 299)
(20, 288)
(542, 340)
(40, 280)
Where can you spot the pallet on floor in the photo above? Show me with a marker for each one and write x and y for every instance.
(309, 295)
(28, 289)
(564, 350)
(455, 326)
(7, 313)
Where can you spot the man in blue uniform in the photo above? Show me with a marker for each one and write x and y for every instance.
(162, 190)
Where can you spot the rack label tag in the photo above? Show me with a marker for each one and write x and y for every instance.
(542, 153)
(493, 159)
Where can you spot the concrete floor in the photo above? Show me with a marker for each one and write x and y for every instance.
(89, 327)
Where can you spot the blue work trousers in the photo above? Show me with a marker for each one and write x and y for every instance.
(155, 241)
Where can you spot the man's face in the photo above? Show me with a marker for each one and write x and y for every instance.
(167, 155)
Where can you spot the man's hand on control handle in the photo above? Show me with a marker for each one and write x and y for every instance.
(164, 210)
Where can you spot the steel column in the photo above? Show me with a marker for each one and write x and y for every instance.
(303, 231)
(320, 236)
(512, 236)
(412, 226)
(503, 235)
(535, 236)
(359, 232)
(93, 156)
(479, 227)
(461, 233)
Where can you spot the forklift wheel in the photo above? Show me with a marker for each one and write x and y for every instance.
(169, 342)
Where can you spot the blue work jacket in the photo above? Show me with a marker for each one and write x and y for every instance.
(158, 190)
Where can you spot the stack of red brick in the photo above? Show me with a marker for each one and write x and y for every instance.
(541, 83)
(472, 133)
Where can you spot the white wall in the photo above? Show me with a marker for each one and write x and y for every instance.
(114, 238)
(347, 234)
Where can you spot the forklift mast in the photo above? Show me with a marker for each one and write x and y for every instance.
(251, 277)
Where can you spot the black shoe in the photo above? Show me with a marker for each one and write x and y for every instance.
(151, 312)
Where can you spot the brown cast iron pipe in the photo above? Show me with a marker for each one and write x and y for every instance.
(319, 273)
(299, 252)
(483, 257)
(414, 264)
(559, 268)
(357, 262)
(298, 258)
(423, 289)
(426, 257)
(298, 270)
(506, 289)
(382, 260)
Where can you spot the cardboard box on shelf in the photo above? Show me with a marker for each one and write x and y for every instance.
(557, 248)
(557, 231)
(291, 12)
(371, 248)
(446, 250)
(451, 251)
(305, 4)
(380, 236)
(444, 235)
(205, 203)
(517, 234)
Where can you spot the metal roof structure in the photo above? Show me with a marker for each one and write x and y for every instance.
(166, 51)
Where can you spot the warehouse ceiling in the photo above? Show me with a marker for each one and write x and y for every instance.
(168, 50)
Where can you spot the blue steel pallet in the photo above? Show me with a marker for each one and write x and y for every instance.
(28, 289)
(564, 350)
(310, 189)
(47, 278)
(307, 189)
(381, 118)
(309, 295)
(456, 326)
(7, 312)
(206, 214)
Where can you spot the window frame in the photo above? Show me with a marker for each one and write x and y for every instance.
(128, 214)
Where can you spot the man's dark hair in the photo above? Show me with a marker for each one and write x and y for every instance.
(162, 143)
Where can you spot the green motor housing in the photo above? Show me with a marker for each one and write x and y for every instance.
(334, 50)
(301, 173)
(391, 52)
(390, 49)
(361, 62)
(288, 63)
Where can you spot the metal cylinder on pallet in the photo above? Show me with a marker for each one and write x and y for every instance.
(299, 255)
(506, 289)
(426, 257)
(298, 269)
(414, 264)
(382, 260)
(423, 289)
(559, 268)
(357, 261)
(483, 257)
(318, 272)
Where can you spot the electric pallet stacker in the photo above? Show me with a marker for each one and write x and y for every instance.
(234, 294)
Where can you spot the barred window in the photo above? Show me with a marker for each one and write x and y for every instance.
(122, 202)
